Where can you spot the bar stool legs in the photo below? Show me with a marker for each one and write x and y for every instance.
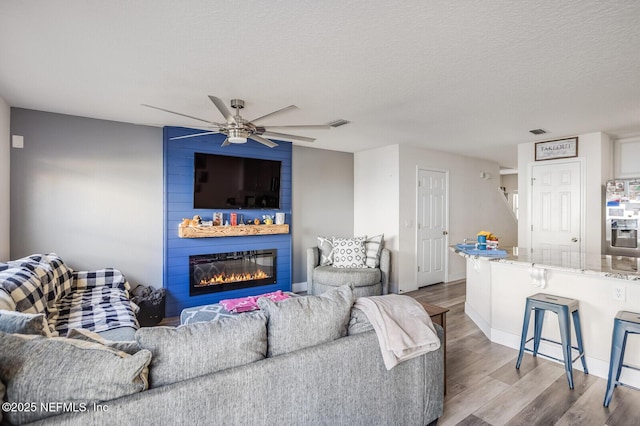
(625, 323)
(562, 306)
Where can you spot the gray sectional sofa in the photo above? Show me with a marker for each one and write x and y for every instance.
(309, 360)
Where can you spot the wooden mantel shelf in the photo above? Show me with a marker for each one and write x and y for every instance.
(231, 231)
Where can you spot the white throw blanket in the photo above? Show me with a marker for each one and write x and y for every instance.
(403, 327)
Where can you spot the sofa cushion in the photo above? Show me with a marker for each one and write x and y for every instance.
(196, 349)
(21, 323)
(97, 309)
(373, 248)
(325, 247)
(305, 321)
(348, 252)
(359, 277)
(55, 369)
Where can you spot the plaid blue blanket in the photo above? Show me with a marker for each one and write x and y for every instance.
(93, 300)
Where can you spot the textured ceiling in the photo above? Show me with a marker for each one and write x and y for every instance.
(469, 77)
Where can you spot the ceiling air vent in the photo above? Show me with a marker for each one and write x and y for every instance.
(337, 123)
(538, 131)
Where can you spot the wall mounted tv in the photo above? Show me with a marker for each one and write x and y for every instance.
(226, 182)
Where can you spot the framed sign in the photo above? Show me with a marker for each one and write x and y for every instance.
(560, 148)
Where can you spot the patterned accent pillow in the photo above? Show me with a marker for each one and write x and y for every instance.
(325, 246)
(349, 252)
(373, 248)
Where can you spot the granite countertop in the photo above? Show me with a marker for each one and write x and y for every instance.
(621, 267)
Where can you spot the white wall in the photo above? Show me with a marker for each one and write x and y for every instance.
(385, 198)
(5, 184)
(89, 190)
(596, 152)
(375, 200)
(322, 184)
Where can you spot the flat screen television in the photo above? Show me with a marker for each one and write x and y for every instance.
(226, 182)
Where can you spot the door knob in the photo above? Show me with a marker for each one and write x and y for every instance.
(445, 233)
(574, 240)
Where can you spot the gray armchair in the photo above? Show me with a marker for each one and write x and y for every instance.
(366, 281)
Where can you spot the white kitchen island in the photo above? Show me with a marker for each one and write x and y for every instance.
(497, 289)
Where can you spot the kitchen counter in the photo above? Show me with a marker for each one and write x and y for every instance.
(618, 267)
(497, 289)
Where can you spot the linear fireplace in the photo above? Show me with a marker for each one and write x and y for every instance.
(212, 273)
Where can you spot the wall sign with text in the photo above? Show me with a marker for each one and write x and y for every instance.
(561, 148)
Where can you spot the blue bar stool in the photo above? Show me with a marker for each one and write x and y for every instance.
(624, 324)
(562, 306)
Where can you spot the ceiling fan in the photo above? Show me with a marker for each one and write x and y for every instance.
(238, 129)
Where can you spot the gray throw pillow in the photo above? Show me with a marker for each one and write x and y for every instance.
(21, 323)
(128, 347)
(50, 369)
(325, 247)
(206, 347)
(305, 321)
(373, 248)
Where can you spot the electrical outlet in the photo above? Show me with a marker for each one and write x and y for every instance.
(619, 292)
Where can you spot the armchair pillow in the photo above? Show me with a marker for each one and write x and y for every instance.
(349, 252)
(373, 248)
(325, 247)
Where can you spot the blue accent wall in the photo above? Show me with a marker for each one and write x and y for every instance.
(178, 204)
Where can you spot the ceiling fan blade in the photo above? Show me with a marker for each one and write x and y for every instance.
(223, 109)
(263, 141)
(184, 115)
(271, 114)
(226, 142)
(302, 126)
(192, 135)
(287, 136)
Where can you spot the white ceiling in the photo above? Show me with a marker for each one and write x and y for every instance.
(463, 76)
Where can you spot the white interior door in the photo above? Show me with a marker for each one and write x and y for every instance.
(556, 220)
(432, 226)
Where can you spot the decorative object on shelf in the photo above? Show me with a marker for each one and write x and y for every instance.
(559, 148)
(234, 219)
(256, 221)
(218, 219)
(268, 219)
(280, 218)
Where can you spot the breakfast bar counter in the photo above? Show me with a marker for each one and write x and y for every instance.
(497, 288)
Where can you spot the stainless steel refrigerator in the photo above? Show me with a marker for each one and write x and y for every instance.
(622, 217)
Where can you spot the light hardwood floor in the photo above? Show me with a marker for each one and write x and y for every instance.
(484, 387)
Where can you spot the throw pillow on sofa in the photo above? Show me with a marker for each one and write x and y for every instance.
(21, 323)
(306, 321)
(197, 349)
(50, 369)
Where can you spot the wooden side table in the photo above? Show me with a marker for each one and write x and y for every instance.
(438, 316)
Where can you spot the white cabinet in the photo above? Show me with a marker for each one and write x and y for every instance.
(627, 158)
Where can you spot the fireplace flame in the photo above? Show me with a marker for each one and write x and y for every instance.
(223, 278)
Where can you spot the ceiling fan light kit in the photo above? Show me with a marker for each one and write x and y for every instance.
(238, 130)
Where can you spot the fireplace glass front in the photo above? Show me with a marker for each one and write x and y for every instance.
(212, 273)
